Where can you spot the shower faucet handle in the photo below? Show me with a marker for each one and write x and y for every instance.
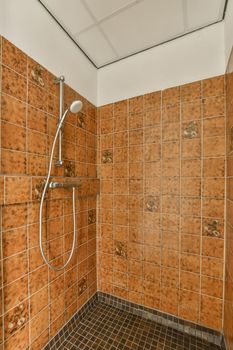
(64, 184)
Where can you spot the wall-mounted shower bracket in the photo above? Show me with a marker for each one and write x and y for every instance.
(60, 80)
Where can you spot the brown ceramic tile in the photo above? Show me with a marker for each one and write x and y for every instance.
(191, 110)
(14, 241)
(190, 263)
(171, 96)
(214, 86)
(135, 121)
(212, 287)
(152, 117)
(13, 137)
(191, 206)
(13, 84)
(171, 132)
(39, 323)
(171, 150)
(14, 216)
(191, 167)
(15, 267)
(13, 110)
(214, 127)
(152, 100)
(213, 208)
(213, 106)
(212, 246)
(214, 167)
(211, 311)
(15, 293)
(41, 341)
(13, 162)
(190, 92)
(36, 142)
(191, 187)
(33, 116)
(189, 305)
(19, 339)
(190, 244)
(191, 148)
(119, 108)
(136, 104)
(13, 57)
(37, 74)
(37, 97)
(214, 187)
(190, 281)
(17, 189)
(212, 267)
(171, 114)
(190, 225)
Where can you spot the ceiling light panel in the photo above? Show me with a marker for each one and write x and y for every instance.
(93, 42)
(143, 25)
(71, 14)
(203, 12)
(104, 8)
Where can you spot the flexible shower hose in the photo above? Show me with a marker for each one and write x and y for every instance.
(55, 268)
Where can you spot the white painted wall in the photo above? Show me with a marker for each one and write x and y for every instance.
(228, 30)
(27, 25)
(195, 56)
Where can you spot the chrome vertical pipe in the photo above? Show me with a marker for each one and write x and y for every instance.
(60, 80)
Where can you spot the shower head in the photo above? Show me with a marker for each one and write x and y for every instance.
(76, 106)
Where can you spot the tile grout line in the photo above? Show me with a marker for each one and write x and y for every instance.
(1, 243)
(128, 180)
(180, 200)
(201, 209)
(114, 305)
(161, 196)
(27, 222)
(225, 211)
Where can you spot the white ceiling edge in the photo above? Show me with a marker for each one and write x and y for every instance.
(228, 31)
(29, 26)
(193, 57)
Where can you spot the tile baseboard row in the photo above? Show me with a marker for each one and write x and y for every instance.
(159, 317)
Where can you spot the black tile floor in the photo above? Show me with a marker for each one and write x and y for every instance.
(109, 328)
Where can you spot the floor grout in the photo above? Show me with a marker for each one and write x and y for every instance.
(107, 327)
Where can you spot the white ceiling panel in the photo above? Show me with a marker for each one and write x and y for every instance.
(110, 30)
(203, 12)
(72, 14)
(96, 46)
(143, 25)
(104, 8)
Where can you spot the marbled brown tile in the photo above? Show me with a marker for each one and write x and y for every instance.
(14, 84)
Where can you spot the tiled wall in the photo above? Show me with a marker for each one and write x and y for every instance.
(161, 163)
(228, 310)
(37, 302)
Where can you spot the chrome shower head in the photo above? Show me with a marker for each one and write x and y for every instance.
(76, 106)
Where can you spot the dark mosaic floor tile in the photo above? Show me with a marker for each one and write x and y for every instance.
(105, 327)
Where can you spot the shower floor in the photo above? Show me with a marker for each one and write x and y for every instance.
(109, 328)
